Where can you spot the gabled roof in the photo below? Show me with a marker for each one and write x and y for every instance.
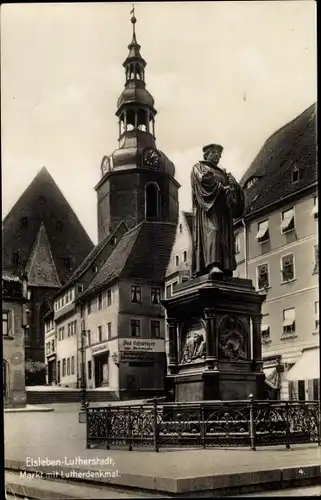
(292, 146)
(91, 257)
(142, 253)
(43, 203)
(189, 220)
(40, 269)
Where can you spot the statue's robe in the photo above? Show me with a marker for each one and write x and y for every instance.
(213, 211)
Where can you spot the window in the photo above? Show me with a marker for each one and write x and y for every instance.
(184, 256)
(81, 311)
(288, 321)
(295, 175)
(168, 291)
(176, 260)
(316, 259)
(24, 222)
(69, 329)
(75, 327)
(315, 210)
(89, 370)
(251, 182)
(155, 295)
(15, 259)
(287, 223)
(263, 276)
(89, 337)
(100, 333)
(59, 225)
(287, 263)
(265, 329)
(135, 328)
(5, 323)
(237, 243)
(151, 201)
(108, 297)
(58, 370)
(89, 307)
(108, 331)
(155, 329)
(42, 200)
(67, 263)
(100, 302)
(68, 366)
(72, 365)
(316, 316)
(52, 346)
(180, 228)
(136, 294)
(64, 367)
(263, 234)
(94, 269)
(80, 288)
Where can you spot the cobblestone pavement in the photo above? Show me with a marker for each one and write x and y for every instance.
(58, 434)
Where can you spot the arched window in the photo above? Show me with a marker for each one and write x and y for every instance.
(151, 200)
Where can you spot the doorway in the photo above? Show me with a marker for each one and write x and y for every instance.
(51, 371)
(101, 370)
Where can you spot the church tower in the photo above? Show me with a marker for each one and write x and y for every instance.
(137, 180)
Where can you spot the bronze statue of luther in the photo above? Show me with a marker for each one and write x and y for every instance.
(217, 200)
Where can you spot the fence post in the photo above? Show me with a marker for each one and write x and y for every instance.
(130, 444)
(252, 422)
(287, 426)
(156, 447)
(203, 430)
(319, 421)
(107, 427)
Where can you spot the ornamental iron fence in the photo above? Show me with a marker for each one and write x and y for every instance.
(205, 424)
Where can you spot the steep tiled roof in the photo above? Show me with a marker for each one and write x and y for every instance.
(41, 270)
(189, 220)
(91, 257)
(142, 253)
(293, 145)
(43, 203)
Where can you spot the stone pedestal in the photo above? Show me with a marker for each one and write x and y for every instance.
(214, 328)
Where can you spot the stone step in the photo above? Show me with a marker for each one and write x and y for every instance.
(48, 489)
(73, 396)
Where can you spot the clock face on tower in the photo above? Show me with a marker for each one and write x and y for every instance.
(105, 165)
(151, 158)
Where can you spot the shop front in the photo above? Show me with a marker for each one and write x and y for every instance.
(304, 376)
(272, 368)
(100, 357)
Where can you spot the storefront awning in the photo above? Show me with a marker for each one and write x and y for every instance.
(307, 367)
(272, 377)
(264, 227)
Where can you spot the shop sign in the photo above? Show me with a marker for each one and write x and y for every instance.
(99, 348)
(126, 356)
(145, 345)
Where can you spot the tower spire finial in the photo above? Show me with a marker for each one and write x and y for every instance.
(133, 19)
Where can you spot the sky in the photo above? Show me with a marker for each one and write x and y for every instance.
(224, 72)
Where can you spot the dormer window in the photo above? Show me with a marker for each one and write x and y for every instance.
(94, 269)
(24, 222)
(42, 200)
(67, 263)
(59, 225)
(295, 175)
(263, 232)
(250, 182)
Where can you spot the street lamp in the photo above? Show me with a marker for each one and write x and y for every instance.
(83, 392)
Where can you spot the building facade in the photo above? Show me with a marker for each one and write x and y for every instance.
(276, 247)
(118, 313)
(14, 299)
(44, 240)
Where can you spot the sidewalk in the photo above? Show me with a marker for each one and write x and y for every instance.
(58, 436)
(28, 408)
